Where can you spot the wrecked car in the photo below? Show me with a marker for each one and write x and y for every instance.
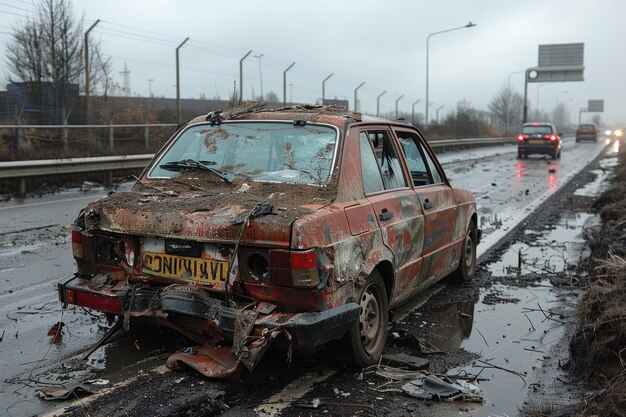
(305, 224)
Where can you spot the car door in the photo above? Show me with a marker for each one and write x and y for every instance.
(438, 202)
(396, 206)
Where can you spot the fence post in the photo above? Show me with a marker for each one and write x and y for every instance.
(66, 117)
(22, 143)
(146, 131)
(111, 137)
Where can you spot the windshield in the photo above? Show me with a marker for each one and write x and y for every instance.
(263, 151)
(543, 129)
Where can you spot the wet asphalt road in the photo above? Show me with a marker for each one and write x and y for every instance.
(35, 253)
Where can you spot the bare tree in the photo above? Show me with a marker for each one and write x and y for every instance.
(506, 107)
(46, 51)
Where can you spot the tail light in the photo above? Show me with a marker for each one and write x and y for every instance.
(551, 137)
(77, 244)
(521, 137)
(294, 268)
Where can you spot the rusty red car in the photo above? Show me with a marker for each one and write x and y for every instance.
(305, 224)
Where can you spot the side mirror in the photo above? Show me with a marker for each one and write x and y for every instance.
(560, 134)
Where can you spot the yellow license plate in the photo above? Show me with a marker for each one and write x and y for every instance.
(184, 267)
(536, 142)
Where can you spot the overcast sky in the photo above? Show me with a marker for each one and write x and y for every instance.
(380, 43)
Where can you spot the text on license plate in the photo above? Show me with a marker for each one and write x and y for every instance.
(538, 142)
(184, 267)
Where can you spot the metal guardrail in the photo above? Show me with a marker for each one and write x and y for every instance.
(42, 167)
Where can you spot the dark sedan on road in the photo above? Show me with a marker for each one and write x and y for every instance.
(539, 138)
(305, 224)
(587, 131)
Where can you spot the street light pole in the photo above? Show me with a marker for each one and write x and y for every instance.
(86, 47)
(508, 104)
(291, 93)
(397, 100)
(355, 96)
(178, 82)
(241, 75)
(556, 97)
(285, 83)
(439, 108)
(150, 90)
(260, 74)
(324, 87)
(469, 25)
(378, 103)
(413, 111)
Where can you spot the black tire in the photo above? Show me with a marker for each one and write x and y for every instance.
(467, 265)
(368, 337)
(554, 154)
(520, 155)
(558, 156)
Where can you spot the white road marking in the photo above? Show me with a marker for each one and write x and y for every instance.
(292, 392)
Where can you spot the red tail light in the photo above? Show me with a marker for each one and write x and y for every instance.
(294, 268)
(520, 137)
(77, 244)
(551, 137)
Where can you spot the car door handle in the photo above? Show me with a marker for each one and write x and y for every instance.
(427, 204)
(385, 214)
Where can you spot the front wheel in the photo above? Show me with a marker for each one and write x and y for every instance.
(368, 336)
(467, 265)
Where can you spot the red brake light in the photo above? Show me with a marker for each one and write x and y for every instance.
(536, 124)
(294, 268)
(553, 137)
(303, 260)
(520, 137)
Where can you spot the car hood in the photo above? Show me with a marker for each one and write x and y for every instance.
(218, 212)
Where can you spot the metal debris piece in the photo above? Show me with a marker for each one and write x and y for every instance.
(404, 360)
(433, 388)
(62, 393)
(213, 362)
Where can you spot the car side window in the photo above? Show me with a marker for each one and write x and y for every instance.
(372, 180)
(422, 167)
(387, 160)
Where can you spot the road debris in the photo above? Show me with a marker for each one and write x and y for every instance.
(433, 388)
(62, 393)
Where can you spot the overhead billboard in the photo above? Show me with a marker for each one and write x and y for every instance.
(558, 63)
(595, 105)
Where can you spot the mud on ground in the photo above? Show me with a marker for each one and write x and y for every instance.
(598, 346)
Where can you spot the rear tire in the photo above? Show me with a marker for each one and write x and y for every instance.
(366, 341)
(467, 265)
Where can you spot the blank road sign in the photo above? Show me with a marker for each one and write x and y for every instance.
(595, 105)
(561, 55)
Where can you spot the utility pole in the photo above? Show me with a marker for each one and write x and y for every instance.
(378, 103)
(178, 82)
(285, 83)
(260, 74)
(397, 100)
(86, 47)
(355, 97)
(413, 111)
(241, 75)
(324, 87)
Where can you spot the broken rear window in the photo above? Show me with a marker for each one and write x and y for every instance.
(262, 151)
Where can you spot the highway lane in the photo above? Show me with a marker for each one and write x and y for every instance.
(32, 261)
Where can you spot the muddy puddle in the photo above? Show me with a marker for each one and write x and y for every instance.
(518, 326)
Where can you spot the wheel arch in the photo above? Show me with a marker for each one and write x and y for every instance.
(385, 268)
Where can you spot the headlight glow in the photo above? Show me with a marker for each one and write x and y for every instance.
(608, 132)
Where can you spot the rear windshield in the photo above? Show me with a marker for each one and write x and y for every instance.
(543, 129)
(262, 151)
(588, 126)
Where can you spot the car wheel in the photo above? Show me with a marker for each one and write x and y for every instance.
(520, 155)
(467, 265)
(554, 154)
(367, 338)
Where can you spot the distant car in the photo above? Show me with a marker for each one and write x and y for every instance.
(587, 131)
(312, 222)
(539, 138)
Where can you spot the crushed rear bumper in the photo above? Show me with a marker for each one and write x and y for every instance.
(203, 312)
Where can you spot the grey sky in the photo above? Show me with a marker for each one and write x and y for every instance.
(381, 43)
